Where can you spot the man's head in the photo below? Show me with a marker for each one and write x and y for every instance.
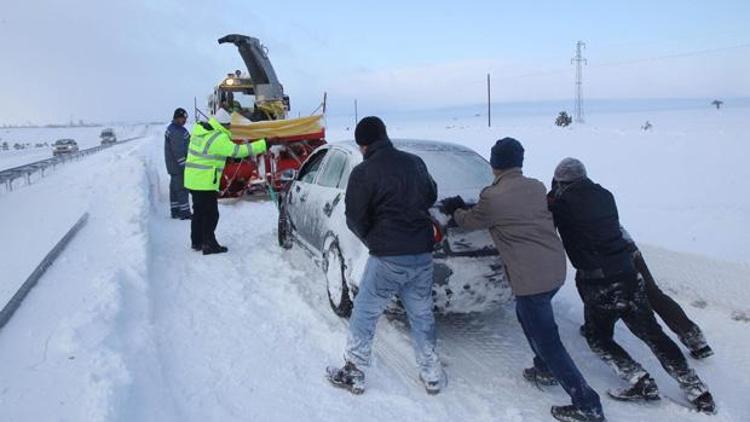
(507, 153)
(180, 116)
(570, 170)
(369, 130)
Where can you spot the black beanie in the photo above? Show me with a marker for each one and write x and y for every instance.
(507, 153)
(369, 130)
(180, 112)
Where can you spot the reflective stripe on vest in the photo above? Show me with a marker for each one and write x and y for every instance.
(199, 166)
(211, 140)
(206, 156)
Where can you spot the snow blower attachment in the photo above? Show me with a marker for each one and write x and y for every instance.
(263, 115)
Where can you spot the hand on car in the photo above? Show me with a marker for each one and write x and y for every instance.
(450, 205)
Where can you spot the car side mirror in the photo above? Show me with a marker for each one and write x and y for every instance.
(288, 175)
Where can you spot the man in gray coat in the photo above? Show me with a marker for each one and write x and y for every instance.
(176, 141)
(514, 209)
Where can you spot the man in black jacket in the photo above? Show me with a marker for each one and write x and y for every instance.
(587, 219)
(388, 198)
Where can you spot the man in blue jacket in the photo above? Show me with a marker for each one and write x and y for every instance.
(176, 141)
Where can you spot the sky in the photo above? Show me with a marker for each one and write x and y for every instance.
(137, 60)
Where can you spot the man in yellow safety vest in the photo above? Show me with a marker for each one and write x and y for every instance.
(210, 145)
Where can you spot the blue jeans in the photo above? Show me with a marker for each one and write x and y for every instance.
(410, 278)
(538, 322)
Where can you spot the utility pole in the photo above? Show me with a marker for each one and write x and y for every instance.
(579, 61)
(489, 106)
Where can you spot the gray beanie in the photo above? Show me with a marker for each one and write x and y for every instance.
(570, 170)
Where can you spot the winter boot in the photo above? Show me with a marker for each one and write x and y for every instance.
(349, 378)
(186, 217)
(196, 247)
(643, 390)
(696, 343)
(539, 377)
(705, 403)
(571, 413)
(212, 249)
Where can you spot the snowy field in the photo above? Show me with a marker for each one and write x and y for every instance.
(86, 137)
(132, 325)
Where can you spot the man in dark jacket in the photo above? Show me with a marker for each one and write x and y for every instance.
(514, 210)
(176, 141)
(587, 219)
(387, 201)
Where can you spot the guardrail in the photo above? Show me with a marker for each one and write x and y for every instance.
(8, 176)
(15, 302)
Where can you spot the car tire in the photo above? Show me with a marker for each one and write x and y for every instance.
(284, 230)
(339, 294)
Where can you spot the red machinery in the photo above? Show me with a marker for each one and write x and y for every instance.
(290, 142)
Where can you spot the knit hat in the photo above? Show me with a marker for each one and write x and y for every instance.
(369, 130)
(507, 153)
(570, 170)
(180, 112)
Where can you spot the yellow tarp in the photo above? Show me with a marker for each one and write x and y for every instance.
(243, 128)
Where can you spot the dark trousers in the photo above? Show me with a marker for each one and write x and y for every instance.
(624, 297)
(538, 323)
(205, 218)
(178, 196)
(668, 310)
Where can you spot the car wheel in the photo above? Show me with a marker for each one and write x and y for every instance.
(339, 295)
(284, 230)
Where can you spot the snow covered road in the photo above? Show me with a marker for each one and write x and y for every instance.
(132, 325)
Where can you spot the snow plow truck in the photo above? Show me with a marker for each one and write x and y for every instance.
(263, 115)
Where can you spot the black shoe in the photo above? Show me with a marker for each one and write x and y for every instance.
(196, 247)
(702, 352)
(212, 249)
(571, 413)
(186, 217)
(705, 403)
(644, 390)
(538, 377)
(349, 378)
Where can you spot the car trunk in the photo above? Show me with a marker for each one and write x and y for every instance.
(463, 173)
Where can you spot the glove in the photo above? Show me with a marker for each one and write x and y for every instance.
(450, 205)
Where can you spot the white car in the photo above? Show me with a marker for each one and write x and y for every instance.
(469, 275)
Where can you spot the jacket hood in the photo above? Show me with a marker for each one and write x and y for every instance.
(199, 128)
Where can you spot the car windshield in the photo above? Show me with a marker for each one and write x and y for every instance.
(457, 171)
(63, 141)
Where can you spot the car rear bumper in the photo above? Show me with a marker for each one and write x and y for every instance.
(469, 284)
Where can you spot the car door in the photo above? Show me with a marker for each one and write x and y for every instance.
(298, 209)
(324, 197)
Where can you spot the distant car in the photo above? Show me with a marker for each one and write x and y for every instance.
(108, 137)
(469, 275)
(64, 146)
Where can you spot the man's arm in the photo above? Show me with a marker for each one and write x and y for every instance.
(430, 185)
(358, 198)
(178, 143)
(476, 217)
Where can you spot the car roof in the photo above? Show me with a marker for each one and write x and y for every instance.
(414, 145)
